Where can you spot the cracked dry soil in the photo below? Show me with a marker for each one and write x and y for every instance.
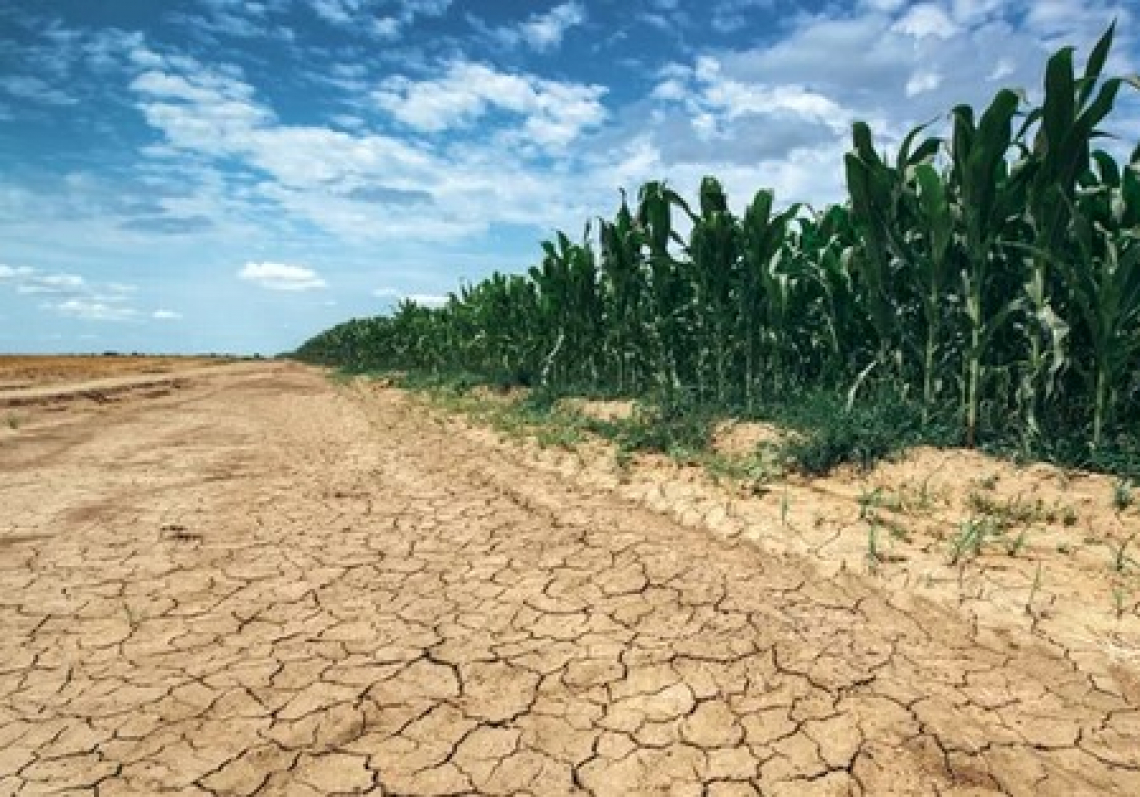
(265, 584)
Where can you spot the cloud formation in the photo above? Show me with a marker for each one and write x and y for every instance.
(543, 32)
(281, 277)
(416, 143)
(554, 112)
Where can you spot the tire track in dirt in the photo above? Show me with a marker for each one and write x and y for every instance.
(284, 588)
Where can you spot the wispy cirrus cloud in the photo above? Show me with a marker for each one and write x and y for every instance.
(30, 88)
(93, 310)
(72, 295)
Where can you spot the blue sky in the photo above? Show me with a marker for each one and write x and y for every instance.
(216, 175)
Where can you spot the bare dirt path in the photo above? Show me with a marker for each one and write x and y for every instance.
(263, 583)
(106, 387)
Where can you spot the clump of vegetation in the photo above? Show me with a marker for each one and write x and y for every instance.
(971, 538)
(831, 433)
(1018, 511)
(978, 286)
(1122, 497)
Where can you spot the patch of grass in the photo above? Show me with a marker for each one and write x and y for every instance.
(1013, 547)
(623, 462)
(989, 482)
(1120, 557)
(1033, 590)
(559, 436)
(1012, 512)
(754, 471)
(868, 502)
(1122, 497)
(14, 421)
(341, 376)
(1118, 601)
(971, 537)
(873, 557)
(830, 433)
(682, 432)
(459, 382)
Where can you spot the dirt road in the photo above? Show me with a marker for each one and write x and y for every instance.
(263, 583)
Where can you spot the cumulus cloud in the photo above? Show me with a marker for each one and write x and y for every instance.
(380, 19)
(921, 82)
(543, 32)
(555, 112)
(925, 20)
(201, 109)
(281, 277)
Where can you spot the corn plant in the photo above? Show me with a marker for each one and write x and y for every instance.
(989, 272)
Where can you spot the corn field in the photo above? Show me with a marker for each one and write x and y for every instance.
(990, 275)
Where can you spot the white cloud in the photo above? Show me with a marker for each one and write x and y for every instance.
(71, 295)
(972, 12)
(14, 272)
(529, 150)
(925, 20)
(671, 89)
(281, 277)
(555, 112)
(1002, 69)
(338, 12)
(544, 32)
(91, 310)
(205, 110)
(362, 13)
(33, 89)
(51, 284)
(166, 315)
(396, 295)
(922, 82)
(886, 6)
(387, 28)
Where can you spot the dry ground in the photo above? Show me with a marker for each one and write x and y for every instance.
(28, 370)
(260, 582)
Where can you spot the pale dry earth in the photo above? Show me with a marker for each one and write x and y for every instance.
(37, 370)
(263, 583)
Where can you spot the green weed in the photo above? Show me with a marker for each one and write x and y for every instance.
(1122, 497)
(971, 537)
(1033, 590)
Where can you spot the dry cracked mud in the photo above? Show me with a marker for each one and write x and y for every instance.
(263, 583)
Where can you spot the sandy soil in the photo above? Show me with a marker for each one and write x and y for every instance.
(264, 583)
(28, 370)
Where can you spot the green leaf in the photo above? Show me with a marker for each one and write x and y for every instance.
(1096, 62)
